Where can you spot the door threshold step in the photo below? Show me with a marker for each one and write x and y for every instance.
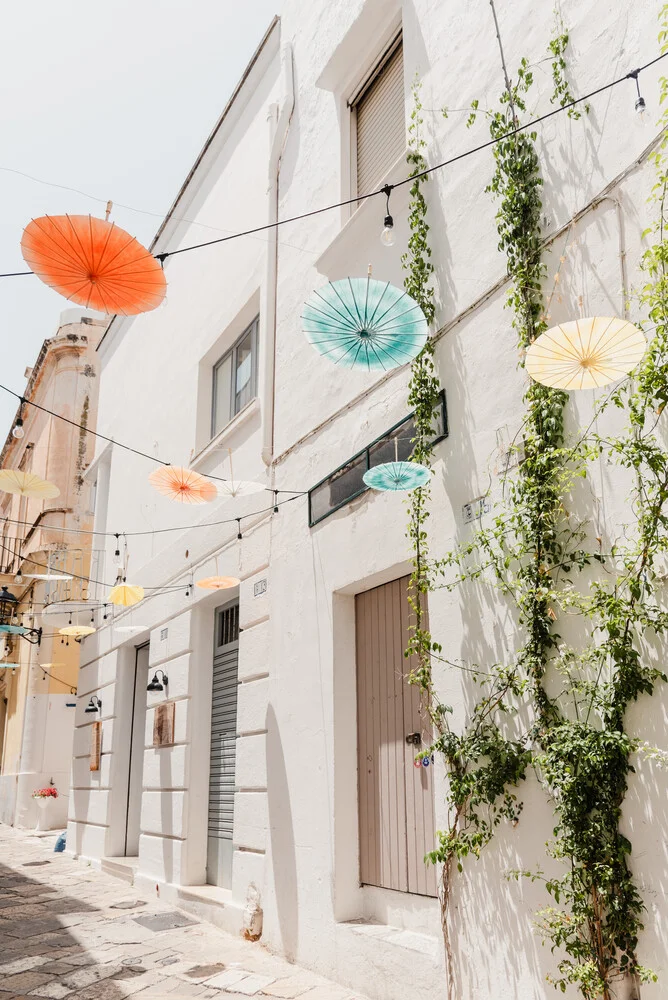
(121, 868)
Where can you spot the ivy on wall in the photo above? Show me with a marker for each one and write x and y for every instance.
(548, 564)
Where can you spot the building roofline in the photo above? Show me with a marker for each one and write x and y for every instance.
(205, 148)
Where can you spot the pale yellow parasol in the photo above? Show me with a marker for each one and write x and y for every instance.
(237, 487)
(217, 582)
(585, 353)
(78, 631)
(126, 595)
(27, 484)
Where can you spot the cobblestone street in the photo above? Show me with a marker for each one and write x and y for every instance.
(68, 930)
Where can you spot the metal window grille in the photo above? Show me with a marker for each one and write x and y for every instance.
(228, 625)
(346, 483)
(380, 120)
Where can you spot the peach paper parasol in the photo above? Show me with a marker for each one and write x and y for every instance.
(585, 353)
(183, 485)
(217, 582)
(27, 484)
(94, 263)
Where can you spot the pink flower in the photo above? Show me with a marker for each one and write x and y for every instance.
(45, 793)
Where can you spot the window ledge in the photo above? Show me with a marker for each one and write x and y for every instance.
(222, 437)
(361, 233)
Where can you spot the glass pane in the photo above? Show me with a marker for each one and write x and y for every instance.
(244, 372)
(339, 488)
(222, 384)
(396, 447)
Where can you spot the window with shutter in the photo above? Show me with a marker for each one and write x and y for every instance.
(380, 120)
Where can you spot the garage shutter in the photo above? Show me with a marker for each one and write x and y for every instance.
(380, 121)
(223, 747)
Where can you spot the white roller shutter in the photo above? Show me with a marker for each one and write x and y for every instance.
(380, 122)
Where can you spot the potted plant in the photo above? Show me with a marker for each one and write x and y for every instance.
(42, 797)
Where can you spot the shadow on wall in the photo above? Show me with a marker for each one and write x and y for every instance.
(282, 839)
(32, 937)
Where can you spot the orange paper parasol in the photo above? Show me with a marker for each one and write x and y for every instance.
(26, 484)
(217, 582)
(94, 263)
(183, 485)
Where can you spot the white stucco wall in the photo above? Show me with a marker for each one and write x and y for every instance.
(295, 809)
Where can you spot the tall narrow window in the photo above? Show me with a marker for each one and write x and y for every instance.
(380, 120)
(234, 379)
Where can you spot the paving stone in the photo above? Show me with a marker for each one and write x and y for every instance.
(92, 974)
(54, 991)
(201, 972)
(253, 984)
(164, 921)
(327, 993)
(23, 982)
(228, 978)
(21, 965)
(288, 989)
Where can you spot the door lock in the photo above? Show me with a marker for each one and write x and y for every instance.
(414, 739)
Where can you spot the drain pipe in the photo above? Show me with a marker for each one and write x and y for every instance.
(280, 117)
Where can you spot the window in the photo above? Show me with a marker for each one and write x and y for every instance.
(379, 120)
(234, 379)
(346, 483)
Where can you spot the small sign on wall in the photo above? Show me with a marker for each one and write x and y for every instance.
(260, 587)
(163, 724)
(474, 510)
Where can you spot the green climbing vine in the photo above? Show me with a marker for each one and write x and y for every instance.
(553, 567)
(423, 391)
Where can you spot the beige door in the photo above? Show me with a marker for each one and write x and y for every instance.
(396, 799)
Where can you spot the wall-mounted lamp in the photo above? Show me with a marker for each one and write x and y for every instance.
(94, 705)
(155, 684)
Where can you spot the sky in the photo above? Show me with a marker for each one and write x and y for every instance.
(114, 98)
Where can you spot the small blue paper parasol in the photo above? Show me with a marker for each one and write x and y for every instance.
(13, 630)
(363, 323)
(396, 476)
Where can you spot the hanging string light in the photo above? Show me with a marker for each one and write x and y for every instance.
(640, 106)
(18, 430)
(387, 237)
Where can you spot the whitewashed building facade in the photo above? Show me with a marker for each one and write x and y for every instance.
(263, 796)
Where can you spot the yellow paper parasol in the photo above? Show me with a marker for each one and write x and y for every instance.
(585, 353)
(126, 595)
(78, 631)
(26, 484)
(217, 582)
(183, 485)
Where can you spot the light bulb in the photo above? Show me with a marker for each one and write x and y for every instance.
(18, 431)
(387, 237)
(18, 578)
(642, 114)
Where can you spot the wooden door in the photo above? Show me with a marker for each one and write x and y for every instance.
(396, 799)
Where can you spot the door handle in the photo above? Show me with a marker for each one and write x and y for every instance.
(414, 739)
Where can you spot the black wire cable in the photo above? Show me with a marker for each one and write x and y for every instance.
(155, 531)
(125, 447)
(632, 75)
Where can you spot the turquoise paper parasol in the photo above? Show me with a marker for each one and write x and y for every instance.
(394, 476)
(364, 323)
